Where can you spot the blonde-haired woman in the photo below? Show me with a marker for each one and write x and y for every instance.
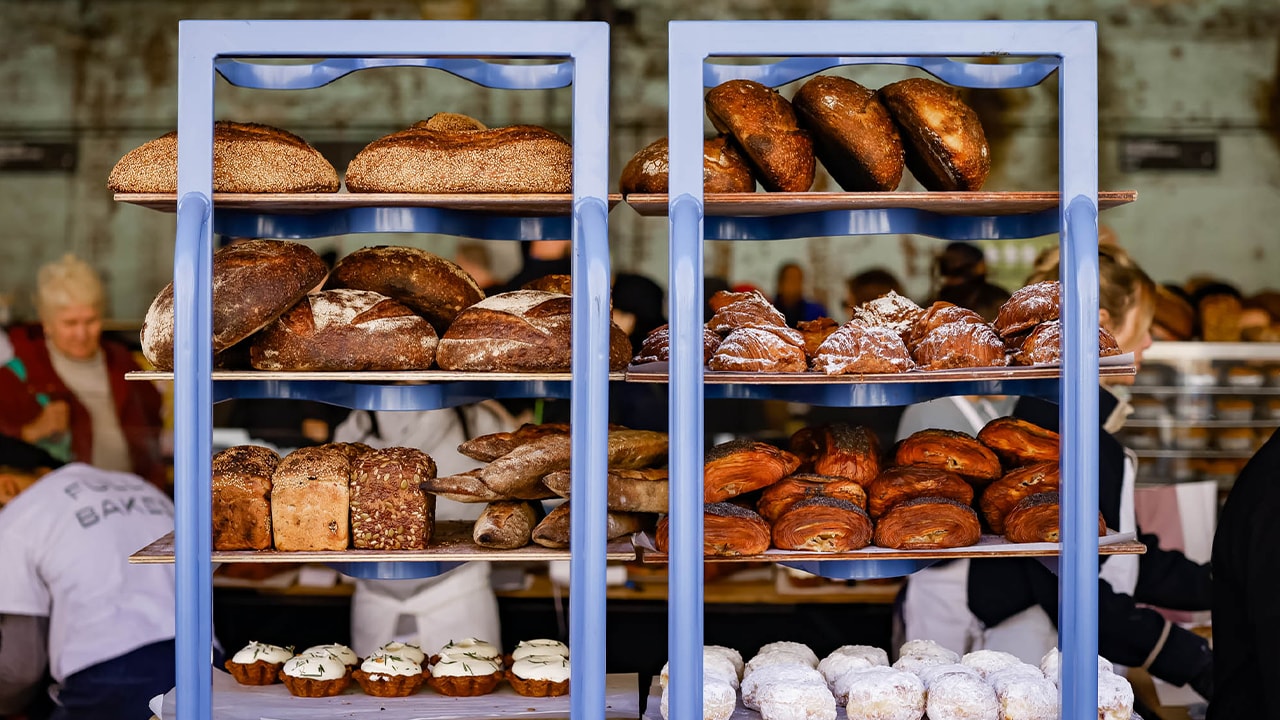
(64, 388)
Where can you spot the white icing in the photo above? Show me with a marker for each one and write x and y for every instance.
(463, 666)
(1115, 697)
(718, 700)
(787, 674)
(552, 668)
(404, 650)
(256, 651)
(989, 661)
(315, 668)
(381, 663)
(471, 647)
(796, 702)
(957, 696)
(527, 648)
(1028, 698)
(1051, 665)
(341, 653)
(714, 666)
(882, 693)
(794, 647)
(933, 672)
(834, 666)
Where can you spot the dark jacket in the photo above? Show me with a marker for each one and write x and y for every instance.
(1127, 633)
(1246, 594)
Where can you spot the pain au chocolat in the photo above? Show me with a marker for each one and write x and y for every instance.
(1001, 496)
(841, 450)
(928, 523)
(950, 450)
(823, 524)
(897, 485)
(1019, 442)
(728, 530)
(780, 496)
(740, 466)
(1035, 519)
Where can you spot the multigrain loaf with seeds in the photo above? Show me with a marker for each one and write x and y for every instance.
(389, 510)
(247, 158)
(311, 500)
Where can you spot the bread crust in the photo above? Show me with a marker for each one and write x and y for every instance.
(946, 148)
(505, 525)
(435, 288)
(724, 170)
(641, 490)
(553, 531)
(241, 477)
(853, 134)
(764, 126)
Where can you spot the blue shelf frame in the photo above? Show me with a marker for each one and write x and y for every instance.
(205, 47)
(1069, 48)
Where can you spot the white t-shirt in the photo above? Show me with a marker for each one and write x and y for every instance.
(65, 544)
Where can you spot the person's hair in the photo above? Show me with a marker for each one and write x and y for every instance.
(65, 282)
(1122, 283)
(961, 260)
(784, 267)
(873, 283)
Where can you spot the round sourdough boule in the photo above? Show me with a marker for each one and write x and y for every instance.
(724, 170)
(946, 148)
(435, 288)
(426, 159)
(254, 282)
(764, 126)
(345, 330)
(247, 158)
(853, 135)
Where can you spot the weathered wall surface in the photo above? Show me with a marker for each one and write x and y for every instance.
(101, 74)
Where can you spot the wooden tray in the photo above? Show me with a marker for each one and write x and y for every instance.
(523, 204)
(405, 376)
(452, 543)
(652, 373)
(764, 204)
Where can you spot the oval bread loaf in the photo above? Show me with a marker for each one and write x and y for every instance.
(853, 135)
(946, 148)
(435, 288)
(764, 126)
(724, 170)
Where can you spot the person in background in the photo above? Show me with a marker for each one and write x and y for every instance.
(473, 257)
(64, 389)
(711, 285)
(541, 258)
(869, 285)
(1246, 582)
(70, 601)
(637, 309)
(790, 299)
(961, 271)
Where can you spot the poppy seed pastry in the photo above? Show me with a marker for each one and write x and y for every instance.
(728, 530)
(899, 484)
(740, 466)
(928, 523)
(1019, 442)
(1003, 495)
(950, 450)
(823, 524)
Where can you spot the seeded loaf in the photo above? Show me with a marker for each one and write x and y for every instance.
(242, 497)
(311, 500)
(435, 288)
(389, 510)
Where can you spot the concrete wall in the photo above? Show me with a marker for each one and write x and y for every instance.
(101, 74)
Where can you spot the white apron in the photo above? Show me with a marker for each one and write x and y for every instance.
(427, 613)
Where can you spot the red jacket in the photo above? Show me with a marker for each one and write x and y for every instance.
(30, 374)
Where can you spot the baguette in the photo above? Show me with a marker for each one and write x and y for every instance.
(487, 448)
(505, 525)
(553, 531)
(464, 488)
(520, 471)
(629, 490)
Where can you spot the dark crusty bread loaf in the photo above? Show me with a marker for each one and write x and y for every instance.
(853, 135)
(242, 497)
(254, 282)
(519, 331)
(311, 500)
(764, 126)
(555, 283)
(724, 170)
(389, 510)
(430, 285)
(946, 148)
(425, 159)
(247, 158)
(345, 330)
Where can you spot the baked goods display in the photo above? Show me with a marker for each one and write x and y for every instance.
(945, 146)
(389, 510)
(853, 134)
(763, 125)
(724, 170)
(728, 530)
(1018, 442)
(435, 288)
(838, 450)
(1002, 496)
(906, 482)
(247, 158)
(258, 663)
(928, 523)
(741, 466)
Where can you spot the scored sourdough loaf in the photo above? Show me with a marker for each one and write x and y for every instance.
(435, 158)
(946, 148)
(242, 497)
(247, 158)
(254, 282)
(435, 288)
(553, 531)
(311, 500)
(764, 126)
(724, 170)
(519, 331)
(853, 135)
(345, 330)
(389, 510)
(642, 490)
(505, 525)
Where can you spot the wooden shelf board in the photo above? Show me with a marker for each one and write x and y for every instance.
(406, 376)
(979, 203)
(513, 204)
(638, 373)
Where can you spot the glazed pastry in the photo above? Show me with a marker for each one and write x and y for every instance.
(724, 170)
(540, 676)
(1044, 345)
(950, 450)
(384, 675)
(960, 345)
(936, 315)
(823, 524)
(1028, 307)
(315, 677)
(882, 693)
(657, 346)
(942, 136)
(853, 135)
(464, 676)
(891, 311)
(907, 482)
(957, 696)
(1035, 519)
(1019, 442)
(759, 350)
(986, 662)
(727, 531)
(718, 700)
(857, 348)
(1003, 495)
(928, 524)
(341, 653)
(740, 466)
(763, 124)
(258, 663)
(815, 332)
(780, 496)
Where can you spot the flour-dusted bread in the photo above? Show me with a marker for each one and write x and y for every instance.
(389, 510)
(247, 158)
(345, 330)
(519, 331)
(254, 282)
(242, 497)
(435, 288)
(311, 500)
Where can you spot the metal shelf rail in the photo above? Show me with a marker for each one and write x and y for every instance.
(581, 52)
(1067, 47)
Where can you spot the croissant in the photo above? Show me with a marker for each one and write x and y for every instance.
(928, 524)
(899, 484)
(657, 345)
(746, 310)
(891, 310)
(1028, 307)
(740, 466)
(1003, 495)
(960, 345)
(859, 348)
(1035, 519)
(950, 450)
(815, 332)
(780, 496)
(823, 524)
(728, 530)
(752, 349)
(1018, 442)
(938, 314)
(1044, 345)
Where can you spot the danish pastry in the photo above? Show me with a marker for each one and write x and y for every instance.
(727, 531)
(780, 496)
(1018, 442)
(823, 524)
(907, 482)
(950, 450)
(1001, 496)
(839, 450)
(1035, 519)
(928, 524)
(740, 466)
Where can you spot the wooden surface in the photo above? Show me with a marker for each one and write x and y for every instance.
(406, 376)
(640, 373)
(946, 203)
(544, 204)
(451, 543)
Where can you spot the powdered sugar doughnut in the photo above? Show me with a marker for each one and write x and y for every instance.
(718, 700)
(786, 674)
(793, 647)
(922, 648)
(881, 693)
(917, 664)
(873, 654)
(989, 661)
(796, 702)
(957, 696)
(1051, 665)
(714, 665)
(933, 672)
(776, 657)
(836, 665)
(1115, 697)
(1022, 672)
(1027, 698)
(733, 656)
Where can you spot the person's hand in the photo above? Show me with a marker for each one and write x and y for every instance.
(53, 419)
(11, 484)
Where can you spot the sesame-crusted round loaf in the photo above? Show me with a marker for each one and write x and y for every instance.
(345, 330)
(389, 510)
(241, 478)
(247, 158)
(426, 159)
(435, 288)
(254, 282)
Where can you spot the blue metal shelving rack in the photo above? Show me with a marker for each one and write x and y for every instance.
(579, 54)
(1069, 48)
